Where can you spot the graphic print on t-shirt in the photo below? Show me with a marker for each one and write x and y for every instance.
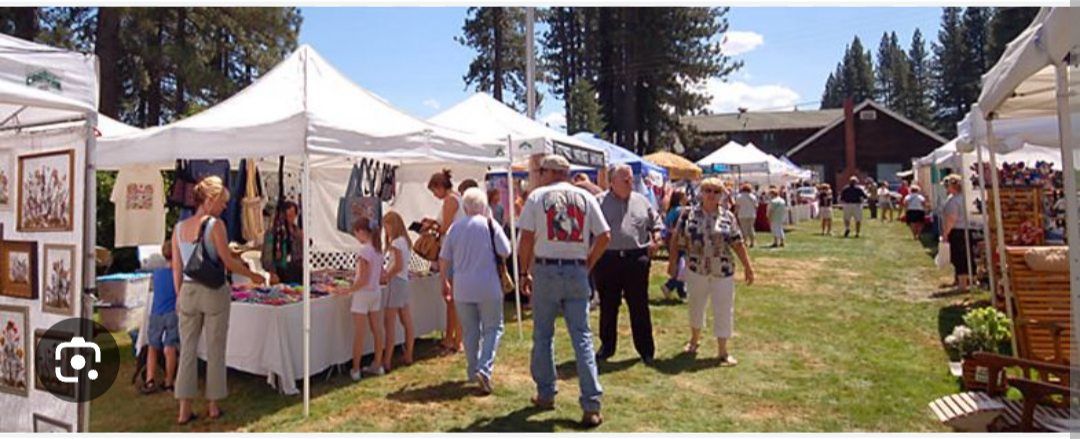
(564, 213)
(139, 196)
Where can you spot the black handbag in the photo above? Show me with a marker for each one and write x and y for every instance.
(201, 267)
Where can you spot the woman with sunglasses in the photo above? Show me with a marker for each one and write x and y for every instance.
(708, 235)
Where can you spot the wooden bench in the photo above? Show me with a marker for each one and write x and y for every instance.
(984, 407)
(1042, 321)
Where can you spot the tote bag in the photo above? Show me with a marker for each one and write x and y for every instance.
(345, 204)
(943, 252)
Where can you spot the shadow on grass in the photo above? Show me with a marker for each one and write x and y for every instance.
(518, 420)
(684, 363)
(673, 301)
(442, 392)
(568, 369)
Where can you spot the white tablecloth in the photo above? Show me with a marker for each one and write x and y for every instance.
(269, 340)
(799, 213)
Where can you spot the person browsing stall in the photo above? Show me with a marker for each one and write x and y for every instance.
(366, 305)
(622, 273)
(556, 223)
(396, 277)
(442, 188)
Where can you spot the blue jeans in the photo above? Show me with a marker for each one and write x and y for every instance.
(482, 326)
(563, 289)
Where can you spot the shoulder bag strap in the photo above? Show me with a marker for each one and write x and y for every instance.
(494, 251)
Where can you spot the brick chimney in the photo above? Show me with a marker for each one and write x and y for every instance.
(849, 144)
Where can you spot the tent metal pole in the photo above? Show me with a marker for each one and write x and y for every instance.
(306, 218)
(1072, 209)
(89, 240)
(986, 225)
(1000, 230)
(967, 232)
(513, 233)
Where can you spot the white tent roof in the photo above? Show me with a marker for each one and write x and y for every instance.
(303, 104)
(732, 154)
(42, 84)
(946, 155)
(1022, 83)
(1010, 134)
(485, 116)
(109, 127)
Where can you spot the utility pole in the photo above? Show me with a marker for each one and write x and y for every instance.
(530, 64)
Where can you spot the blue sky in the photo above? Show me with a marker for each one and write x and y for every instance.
(409, 56)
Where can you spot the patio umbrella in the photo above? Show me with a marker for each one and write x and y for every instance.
(678, 167)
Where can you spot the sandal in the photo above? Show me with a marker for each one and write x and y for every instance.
(149, 388)
(191, 417)
(728, 361)
(690, 348)
(220, 413)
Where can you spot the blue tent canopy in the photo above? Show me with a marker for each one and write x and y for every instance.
(617, 155)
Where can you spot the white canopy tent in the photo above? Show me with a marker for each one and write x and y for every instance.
(48, 101)
(483, 115)
(750, 163)
(1036, 76)
(304, 107)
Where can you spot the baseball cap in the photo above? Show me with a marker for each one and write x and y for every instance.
(554, 162)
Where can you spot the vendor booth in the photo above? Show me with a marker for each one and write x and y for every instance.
(1037, 76)
(748, 163)
(48, 101)
(327, 128)
(649, 178)
(678, 167)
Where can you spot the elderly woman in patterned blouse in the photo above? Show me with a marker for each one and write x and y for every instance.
(710, 238)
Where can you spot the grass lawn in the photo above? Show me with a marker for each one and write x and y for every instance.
(836, 335)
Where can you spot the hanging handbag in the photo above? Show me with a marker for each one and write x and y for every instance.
(180, 194)
(505, 280)
(352, 191)
(201, 267)
(429, 243)
(251, 216)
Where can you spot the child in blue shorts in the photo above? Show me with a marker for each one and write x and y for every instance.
(164, 327)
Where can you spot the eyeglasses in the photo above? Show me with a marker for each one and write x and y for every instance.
(711, 191)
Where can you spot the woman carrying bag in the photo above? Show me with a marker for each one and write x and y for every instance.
(204, 300)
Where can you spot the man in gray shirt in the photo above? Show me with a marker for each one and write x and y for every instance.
(623, 270)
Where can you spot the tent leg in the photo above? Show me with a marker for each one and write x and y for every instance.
(967, 234)
(986, 227)
(513, 234)
(1000, 231)
(1072, 209)
(306, 191)
(89, 242)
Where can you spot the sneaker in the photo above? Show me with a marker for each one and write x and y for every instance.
(728, 361)
(591, 419)
(374, 370)
(485, 384)
(541, 403)
(666, 290)
(355, 375)
(846, 233)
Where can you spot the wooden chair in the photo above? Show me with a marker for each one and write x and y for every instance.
(984, 407)
(1042, 321)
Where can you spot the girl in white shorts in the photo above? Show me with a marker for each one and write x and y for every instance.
(367, 297)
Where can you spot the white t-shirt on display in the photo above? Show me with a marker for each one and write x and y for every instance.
(915, 202)
(139, 196)
(746, 205)
(375, 262)
(563, 217)
(406, 254)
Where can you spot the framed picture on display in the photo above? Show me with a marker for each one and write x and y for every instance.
(14, 350)
(5, 181)
(45, 344)
(45, 192)
(45, 424)
(18, 269)
(58, 289)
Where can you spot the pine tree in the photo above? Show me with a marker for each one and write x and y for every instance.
(950, 54)
(565, 59)
(893, 76)
(975, 25)
(832, 97)
(586, 110)
(1005, 25)
(854, 77)
(917, 100)
(497, 34)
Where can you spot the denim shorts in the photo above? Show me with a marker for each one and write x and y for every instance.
(164, 331)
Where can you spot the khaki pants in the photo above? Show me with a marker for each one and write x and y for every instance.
(746, 226)
(202, 307)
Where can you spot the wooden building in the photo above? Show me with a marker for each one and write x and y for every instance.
(865, 139)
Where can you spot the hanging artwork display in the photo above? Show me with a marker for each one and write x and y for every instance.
(45, 344)
(45, 424)
(58, 292)
(46, 190)
(5, 181)
(18, 269)
(14, 350)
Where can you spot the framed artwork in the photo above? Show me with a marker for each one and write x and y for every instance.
(5, 181)
(14, 350)
(58, 291)
(45, 343)
(18, 269)
(45, 424)
(46, 190)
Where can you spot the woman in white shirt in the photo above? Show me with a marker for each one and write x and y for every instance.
(885, 202)
(746, 205)
(396, 277)
(915, 206)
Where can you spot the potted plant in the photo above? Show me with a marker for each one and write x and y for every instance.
(984, 330)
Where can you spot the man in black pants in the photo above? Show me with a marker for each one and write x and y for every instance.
(623, 271)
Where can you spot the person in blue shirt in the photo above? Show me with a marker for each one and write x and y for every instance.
(164, 327)
(677, 203)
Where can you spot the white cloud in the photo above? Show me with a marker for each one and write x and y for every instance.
(737, 42)
(555, 120)
(432, 104)
(728, 97)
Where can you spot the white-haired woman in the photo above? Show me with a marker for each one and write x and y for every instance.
(471, 247)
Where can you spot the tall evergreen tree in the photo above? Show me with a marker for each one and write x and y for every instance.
(893, 74)
(917, 100)
(1005, 25)
(586, 115)
(854, 77)
(565, 58)
(950, 57)
(497, 34)
(976, 26)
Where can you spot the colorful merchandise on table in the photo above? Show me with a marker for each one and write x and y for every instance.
(277, 295)
(1020, 175)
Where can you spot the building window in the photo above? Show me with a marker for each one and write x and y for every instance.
(817, 169)
(768, 141)
(868, 115)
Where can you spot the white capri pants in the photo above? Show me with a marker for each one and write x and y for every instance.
(777, 229)
(746, 226)
(721, 292)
